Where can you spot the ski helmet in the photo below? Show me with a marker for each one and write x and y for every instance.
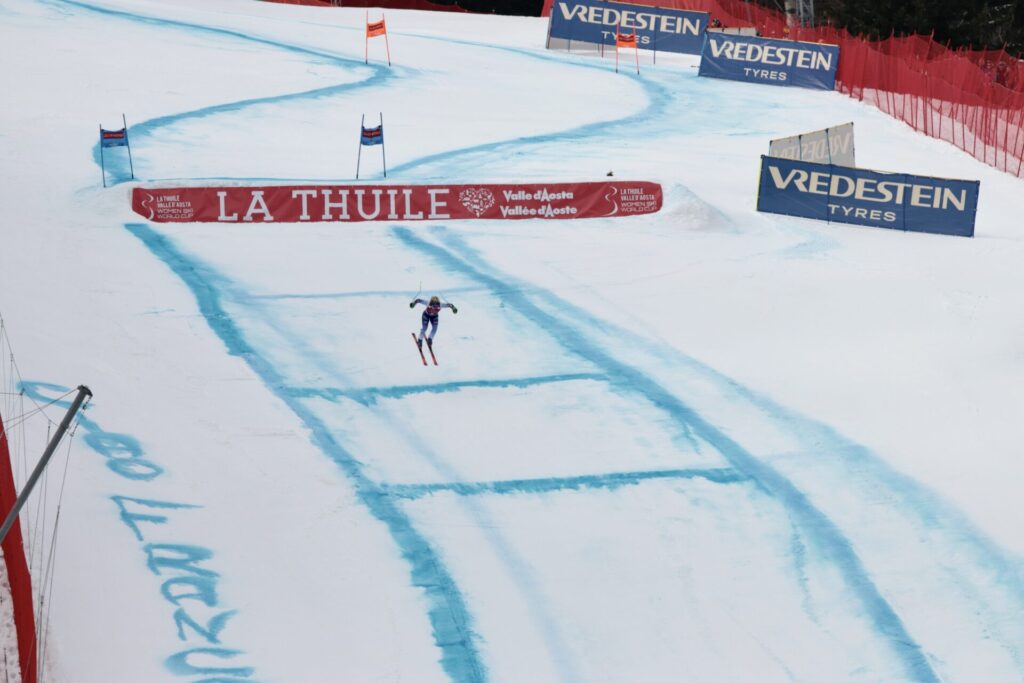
(434, 301)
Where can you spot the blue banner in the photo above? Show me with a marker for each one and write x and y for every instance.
(372, 136)
(775, 62)
(114, 138)
(854, 195)
(657, 28)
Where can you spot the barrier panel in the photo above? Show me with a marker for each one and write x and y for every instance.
(850, 195)
(833, 145)
(775, 62)
(596, 22)
(735, 31)
(349, 203)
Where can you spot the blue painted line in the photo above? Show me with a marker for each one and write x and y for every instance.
(450, 620)
(609, 481)
(659, 98)
(116, 164)
(814, 524)
(369, 395)
(161, 22)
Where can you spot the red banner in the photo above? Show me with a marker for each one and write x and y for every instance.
(376, 29)
(345, 203)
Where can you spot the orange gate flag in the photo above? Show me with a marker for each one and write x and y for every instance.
(377, 28)
(622, 40)
(626, 41)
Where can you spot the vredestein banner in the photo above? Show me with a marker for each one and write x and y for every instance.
(766, 60)
(349, 203)
(854, 195)
(657, 28)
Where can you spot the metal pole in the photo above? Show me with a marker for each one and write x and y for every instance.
(636, 51)
(359, 155)
(383, 156)
(12, 516)
(128, 144)
(103, 162)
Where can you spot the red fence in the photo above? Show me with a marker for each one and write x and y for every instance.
(973, 99)
(17, 570)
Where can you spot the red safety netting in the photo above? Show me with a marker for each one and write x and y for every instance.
(973, 99)
(17, 570)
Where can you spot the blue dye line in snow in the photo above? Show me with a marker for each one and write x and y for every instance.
(813, 523)
(659, 98)
(609, 481)
(449, 618)
(142, 129)
(658, 105)
(1001, 568)
(369, 395)
(176, 23)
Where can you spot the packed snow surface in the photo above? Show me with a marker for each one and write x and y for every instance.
(707, 444)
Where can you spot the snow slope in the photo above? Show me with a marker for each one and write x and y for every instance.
(707, 444)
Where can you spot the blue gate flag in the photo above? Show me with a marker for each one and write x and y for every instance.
(766, 60)
(372, 136)
(855, 195)
(114, 138)
(657, 28)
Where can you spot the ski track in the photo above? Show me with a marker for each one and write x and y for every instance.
(449, 616)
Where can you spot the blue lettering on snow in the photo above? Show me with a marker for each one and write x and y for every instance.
(171, 556)
(188, 580)
(206, 589)
(123, 452)
(211, 632)
(130, 518)
(181, 664)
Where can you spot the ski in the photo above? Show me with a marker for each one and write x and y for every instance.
(420, 347)
(430, 347)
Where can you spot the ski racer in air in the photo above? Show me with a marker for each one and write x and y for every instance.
(430, 317)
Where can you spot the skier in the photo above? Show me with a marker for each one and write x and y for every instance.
(430, 315)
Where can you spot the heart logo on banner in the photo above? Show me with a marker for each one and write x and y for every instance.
(145, 203)
(477, 200)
